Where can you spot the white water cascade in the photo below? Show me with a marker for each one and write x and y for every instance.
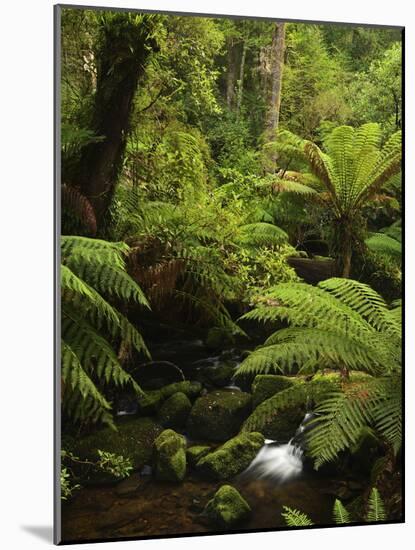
(279, 462)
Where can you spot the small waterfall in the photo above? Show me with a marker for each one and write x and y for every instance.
(279, 462)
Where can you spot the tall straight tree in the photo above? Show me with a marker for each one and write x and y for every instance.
(230, 73)
(277, 66)
(125, 45)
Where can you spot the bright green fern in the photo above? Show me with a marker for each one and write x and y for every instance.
(93, 272)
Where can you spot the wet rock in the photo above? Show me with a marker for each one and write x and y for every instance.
(195, 453)
(217, 338)
(231, 458)
(366, 451)
(174, 411)
(227, 508)
(281, 425)
(219, 375)
(265, 386)
(150, 403)
(189, 387)
(218, 415)
(129, 486)
(133, 439)
(170, 456)
(156, 374)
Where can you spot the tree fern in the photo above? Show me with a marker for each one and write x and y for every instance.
(92, 272)
(339, 324)
(343, 325)
(352, 168)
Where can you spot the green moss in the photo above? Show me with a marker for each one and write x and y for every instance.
(195, 453)
(220, 375)
(265, 386)
(170, 456)
(218, 415)
(190, 388)
(174, 411)
(227, 508)
(231, 458)
(150, 403)
(134, 440)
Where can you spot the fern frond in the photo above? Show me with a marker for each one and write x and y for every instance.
(295, 518)
(262, 234)
(80, 390)
(376, 508)
(340, 514)
(384, 244)
(78, 205)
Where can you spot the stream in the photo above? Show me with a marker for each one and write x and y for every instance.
(141, 506)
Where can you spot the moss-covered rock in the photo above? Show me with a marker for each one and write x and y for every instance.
(174, 411)
(195, 453)
(218, 415)
(170, 456)
(265, 386)
(150, 403)
(227, 508)
(281, 425)
(189, 387)
(133, 439)
(219, 375)
(232, 457)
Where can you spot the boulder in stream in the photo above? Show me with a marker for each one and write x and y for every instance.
(190, 388)
(227, 508)
(218, 415)
(170, 456)
(231, 458)
(195, 453)
(265, 386)
(174, 411)
(133, 439)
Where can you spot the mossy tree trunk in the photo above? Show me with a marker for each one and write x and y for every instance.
(277, 65)
(123, 52)
(231, 74)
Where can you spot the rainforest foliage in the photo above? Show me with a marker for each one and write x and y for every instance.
(241, 178)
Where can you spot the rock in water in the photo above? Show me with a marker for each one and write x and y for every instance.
(170, 456)
(174, 411)
(232, 457)
(218, 415)
(133, 439)
(227, 508)
(190, 388)
(195, 453)
(265, 386)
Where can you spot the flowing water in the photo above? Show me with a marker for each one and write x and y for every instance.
(275, 478)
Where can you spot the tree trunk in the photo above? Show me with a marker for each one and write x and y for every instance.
(347, 262)
(121, 59)
(277, 65)
(231, 75)
(241, 79)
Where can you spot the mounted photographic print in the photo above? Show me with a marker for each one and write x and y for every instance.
(229, 205)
